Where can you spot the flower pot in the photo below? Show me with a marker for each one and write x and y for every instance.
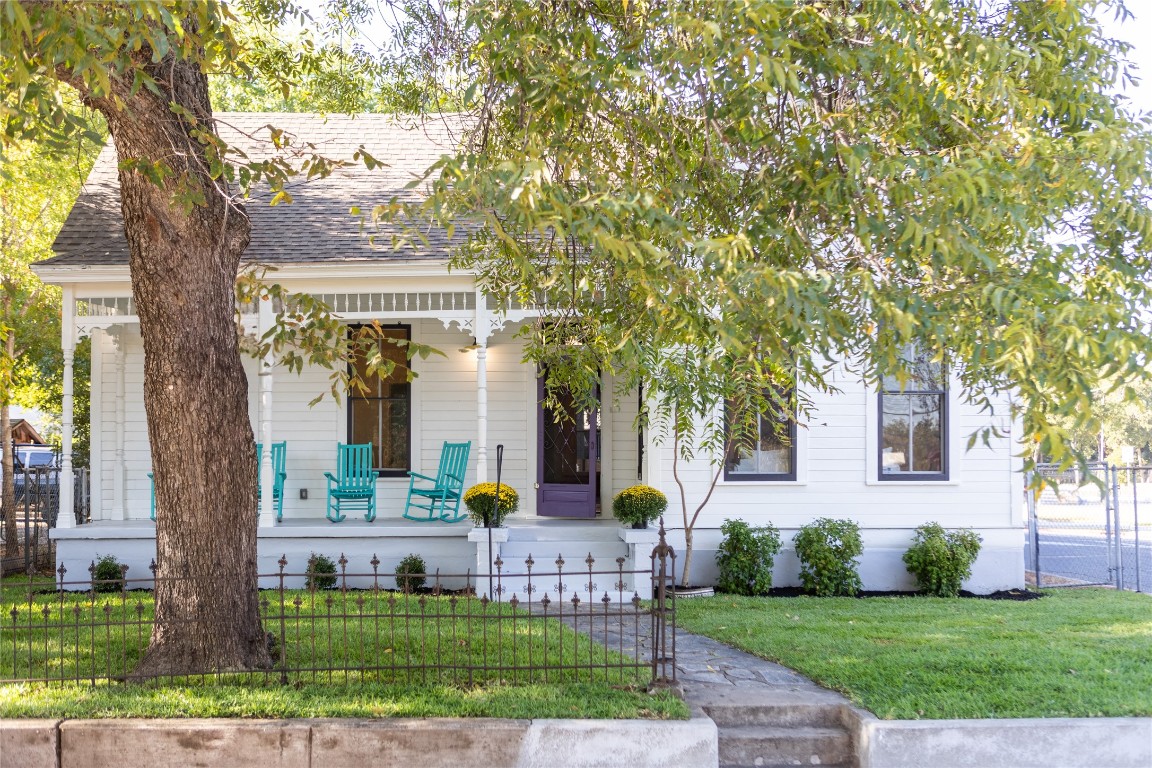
(641, 526)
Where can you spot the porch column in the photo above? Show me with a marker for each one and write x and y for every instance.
(267, 509)
(480, 329)
(119, 503)
(66, 517)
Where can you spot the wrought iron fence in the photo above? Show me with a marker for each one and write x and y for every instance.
(364, 625)
(1086, 528)
(37, 495)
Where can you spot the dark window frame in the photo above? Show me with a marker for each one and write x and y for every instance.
(771, 477)
(387, 472)
(945, 433)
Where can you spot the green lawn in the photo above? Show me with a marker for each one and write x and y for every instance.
(420, 662)
(558, 700)
(1075, 653)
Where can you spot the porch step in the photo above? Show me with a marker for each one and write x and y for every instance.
(772, 746)
(566, 531)
(574, 543)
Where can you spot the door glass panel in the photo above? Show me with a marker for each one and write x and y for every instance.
(566, 442)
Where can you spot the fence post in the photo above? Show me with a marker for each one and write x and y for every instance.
(1109, 549)
(1136, 525)
(1116, 527)
(663, 614)
(27, 517)
(1034, 526)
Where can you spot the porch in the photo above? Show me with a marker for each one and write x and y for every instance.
(479, 391)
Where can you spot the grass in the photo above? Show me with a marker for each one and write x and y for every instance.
(1075, 653)
(360, 654)
(366, 700)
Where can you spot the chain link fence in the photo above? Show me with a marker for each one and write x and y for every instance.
(1091, 527)
(25, 540)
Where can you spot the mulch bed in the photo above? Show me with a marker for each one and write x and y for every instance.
(1004, 594)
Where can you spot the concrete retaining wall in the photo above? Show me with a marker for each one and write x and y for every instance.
(428, 743)
(1106, 742)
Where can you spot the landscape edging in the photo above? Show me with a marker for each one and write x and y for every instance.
(428, 742)
(1073, 742)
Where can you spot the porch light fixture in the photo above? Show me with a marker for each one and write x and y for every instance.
(471, 347)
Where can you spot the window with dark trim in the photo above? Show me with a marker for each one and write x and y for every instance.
(913, 420)
(382, 414)
(769, 451)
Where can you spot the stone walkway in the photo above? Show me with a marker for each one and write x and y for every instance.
(704, 662)
(705, 667)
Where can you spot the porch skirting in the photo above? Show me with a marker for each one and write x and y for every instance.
(458, 555)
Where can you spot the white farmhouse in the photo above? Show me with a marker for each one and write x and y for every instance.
(888, 460)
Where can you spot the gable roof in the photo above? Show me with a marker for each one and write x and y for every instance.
(24, 432)
(317, 226)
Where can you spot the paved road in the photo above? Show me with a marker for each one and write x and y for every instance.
(1082, 555)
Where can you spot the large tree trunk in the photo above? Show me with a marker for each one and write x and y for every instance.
(184, 262)
(8, 463)
(8, 476)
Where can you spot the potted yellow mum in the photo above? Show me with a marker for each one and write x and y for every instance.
(481, 502)
(639, 505)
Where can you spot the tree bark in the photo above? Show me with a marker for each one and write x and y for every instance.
(184, 261)
(7, 471)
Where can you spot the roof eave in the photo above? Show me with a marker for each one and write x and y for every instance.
(67, 274)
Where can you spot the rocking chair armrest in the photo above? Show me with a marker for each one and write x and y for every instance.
(456, 478)
(415, 475)
(331, 478)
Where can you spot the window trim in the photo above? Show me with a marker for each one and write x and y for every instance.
(390, 472)
(766, 477)
(945, 436)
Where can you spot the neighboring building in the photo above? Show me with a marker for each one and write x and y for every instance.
(889, 460)
(24, 432)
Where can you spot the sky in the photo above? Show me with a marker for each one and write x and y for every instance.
(1138, 32)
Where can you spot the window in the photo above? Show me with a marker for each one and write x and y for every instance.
(769, 451)
(914, 422)
(382, 415)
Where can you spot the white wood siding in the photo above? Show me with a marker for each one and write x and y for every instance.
(836, 475)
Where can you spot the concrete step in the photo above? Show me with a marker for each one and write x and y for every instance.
(775, 713)
(565, 531)
(803, 705)
(771, 746)
(576, 579)
(575, 554)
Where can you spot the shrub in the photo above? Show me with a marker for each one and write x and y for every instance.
(321, 572)
(941, 560)
(108, 574)
(828, 550)
(639, 505)
(746, 556)
(481, 502)
(410, 573)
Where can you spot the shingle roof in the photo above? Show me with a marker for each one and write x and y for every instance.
(317, 226)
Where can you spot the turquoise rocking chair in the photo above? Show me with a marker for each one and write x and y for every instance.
(439, 497)
(279, 454)
(354, 484)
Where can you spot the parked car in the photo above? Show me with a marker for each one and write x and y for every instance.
(37, 476)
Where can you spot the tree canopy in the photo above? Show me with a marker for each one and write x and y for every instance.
(765, 187)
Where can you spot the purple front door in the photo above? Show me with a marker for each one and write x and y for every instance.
(568, 460)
